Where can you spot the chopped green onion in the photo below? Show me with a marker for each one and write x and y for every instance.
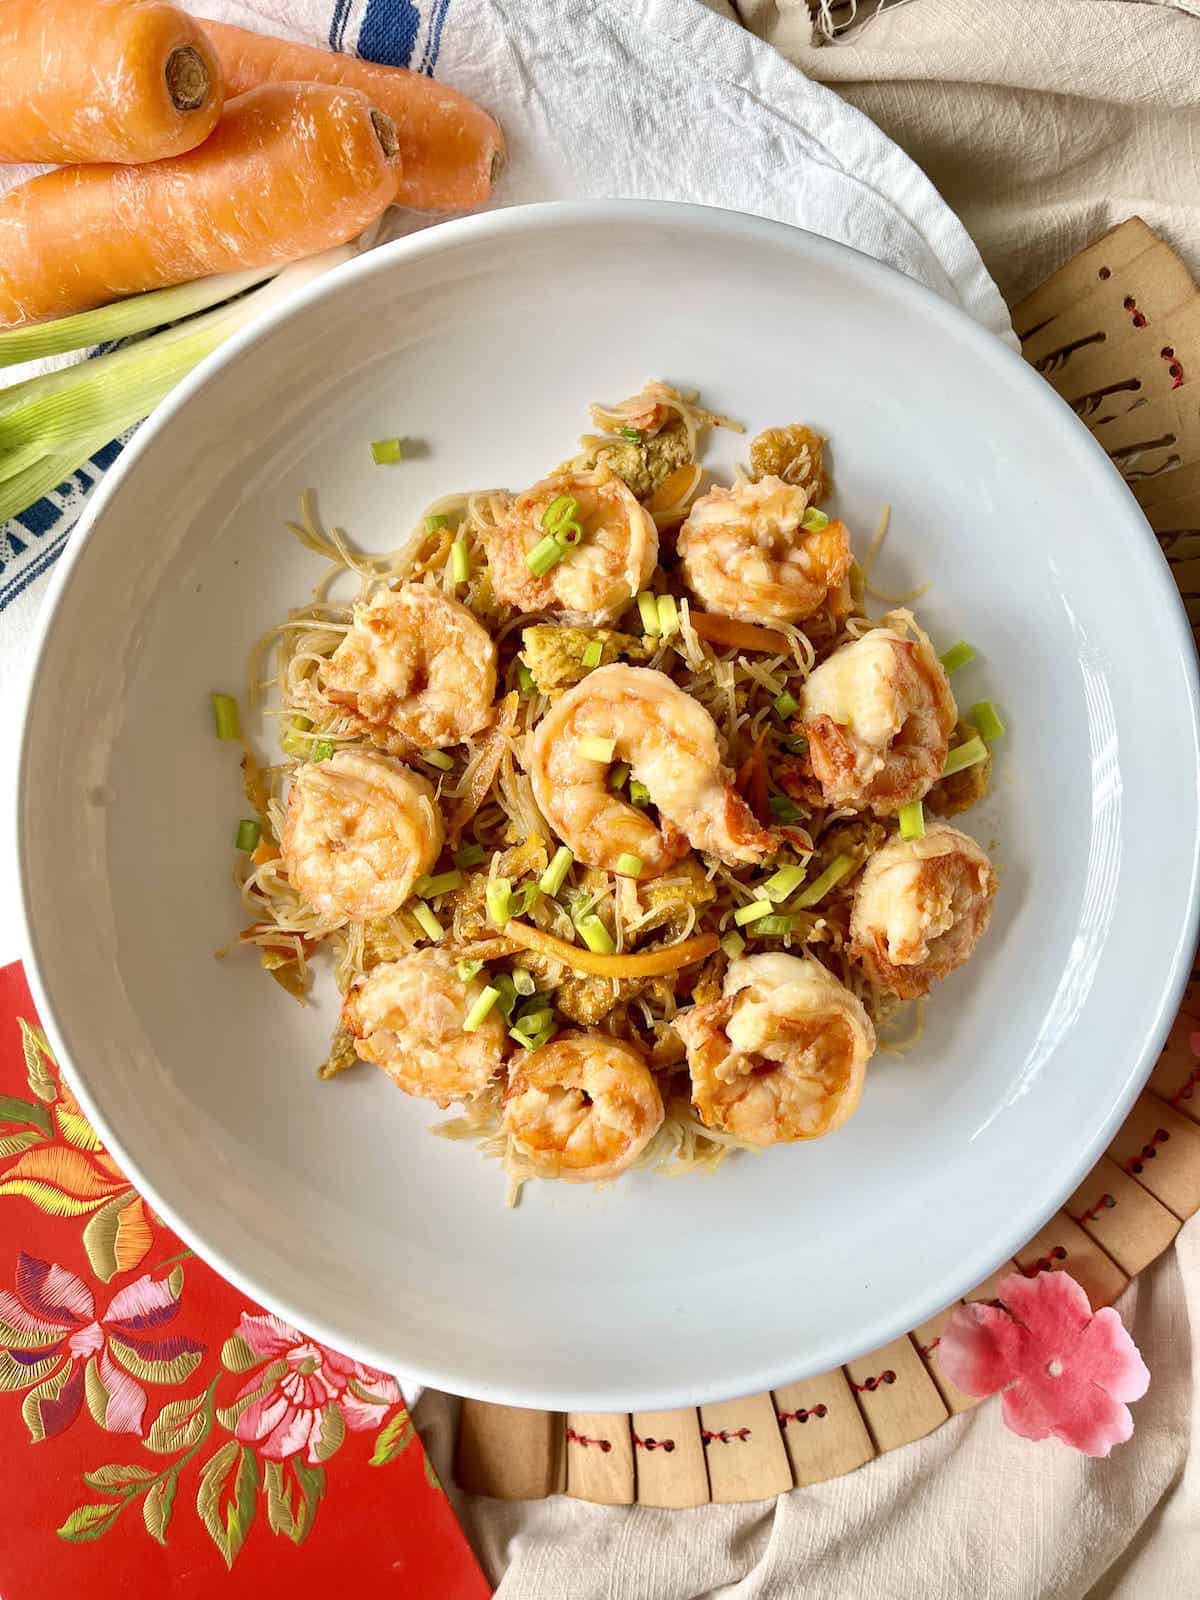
(957, 656)
(639, 795)
(594, 749)
(384, 451)
(536, 1012)
(322, 750)
(752, 912)
(634, 435)
(568, 534)
(530, 1038)
(668, 615)
(543, 556)
(783, 808)
(225, 715)
(293, 743)
(984, 716)
(820, 887)
(249, 832)
(786, 704)
(430, 926)
(438, 759)
(524, 898)
(776, 927)
(469, 969)
(508, 993)
(796, 744)
(912, 820)
(460, 561)
(967, 755)
(525, 681)
(618, 774)
(593, 653)
(648, 606)
(429, 888)
(432, 524)
(551, 881)
(782, 883)
(563, 508)
(470, 855)
(480, 1009)
(523, 982)
(733, 944)
(813, 521)
(499, 901)
(628, 866)
(595, 935)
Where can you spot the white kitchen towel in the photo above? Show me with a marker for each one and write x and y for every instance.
(662, 100)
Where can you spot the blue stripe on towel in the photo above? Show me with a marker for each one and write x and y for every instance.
(389, 31)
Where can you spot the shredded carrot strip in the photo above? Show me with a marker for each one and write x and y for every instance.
(264, 851)
(644, 964)
(741, 635)
(674, 489)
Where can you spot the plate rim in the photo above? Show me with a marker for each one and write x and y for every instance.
(885, 1326)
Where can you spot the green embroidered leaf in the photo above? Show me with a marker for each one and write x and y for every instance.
(179, 1425)
(13, 1143)
(117, 1475)
(279, 1502)
(431, 1477)
(227, 1526)
(175, 1276)
(27, 1339)
(61, 1181)
(96, 1393)
(331, 1430)
(90, 1522)
(49, 1389)
(392, 1439)
(75, 1127)
(228, 1416)
(311, 1481)
(14, 1109)
(37, 1053)
(156, 1507)
(13, 1375)
(118, 1236)
(236, 1354)
(177, 1370)
(362, 1393)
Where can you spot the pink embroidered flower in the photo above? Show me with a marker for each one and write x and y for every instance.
(54, 1340)
(1060, 1369)
(307, 1396)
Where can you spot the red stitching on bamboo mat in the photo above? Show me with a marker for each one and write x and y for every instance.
(870, 1386)
(1148, 1152)
(801, 1416)
(1184, 1092)
(579, 1438)
(1174, 366)
(1138, 318)
(1046, 1264)
(654, 1444)
(725, 1436)
(928, 1349)
(1105, 1203)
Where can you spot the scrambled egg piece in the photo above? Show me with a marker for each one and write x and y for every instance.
(555, 655)
(643, 465)
(668, 899)
(961, 790)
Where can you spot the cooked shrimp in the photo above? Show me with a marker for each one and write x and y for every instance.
(782, 1055)
(415, 670)
(744, 553)
(920, 908)
(407, 1017)
(878, 714)
(596, 578)
(670, 743)
(361, 828)
(581, 1108)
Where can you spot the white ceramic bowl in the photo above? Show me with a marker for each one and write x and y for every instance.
(485, 339)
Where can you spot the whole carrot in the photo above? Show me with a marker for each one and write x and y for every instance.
(104, 80)
(453, 151)
(290, 169)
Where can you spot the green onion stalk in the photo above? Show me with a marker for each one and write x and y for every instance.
(52, 423)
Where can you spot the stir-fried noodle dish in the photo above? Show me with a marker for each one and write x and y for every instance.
(622, 820)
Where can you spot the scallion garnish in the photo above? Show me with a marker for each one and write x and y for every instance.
(543, 556)
(782, 883)
(437, 758)
(552, 880)
(984, 716)
(648, 608)
(820, 887)
(957, 656)
(249, 832)
(774, 927)
(563, 508)
(480, 1009)
(786, 704)
(668, 615)
(523, 982)
(471, 855)
(813, 521)
(593, 749)
(430, 926)
(634, 435)
(796, 744)
(433, 523)
(733, 944)
(322, 750)
(525, 681)
(967, 755)
(384, 451)
(752, 912)
(783, 808)
(225, 716)
(460, 561)
(429, 888)
(593, 653)
(618, 774)
(524, 899)
(508, 993)
(639, 795)
(499, 901)
(595, 935)
(912, 820)
(628, 866)
(468, 969)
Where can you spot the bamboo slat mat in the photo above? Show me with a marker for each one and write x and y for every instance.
(1117, 332)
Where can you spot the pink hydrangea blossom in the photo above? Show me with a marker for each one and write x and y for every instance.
(1059, 1368)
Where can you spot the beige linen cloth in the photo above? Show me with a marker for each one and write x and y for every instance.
(1042, 122)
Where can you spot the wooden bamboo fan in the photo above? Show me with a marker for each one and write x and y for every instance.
(1117, 332)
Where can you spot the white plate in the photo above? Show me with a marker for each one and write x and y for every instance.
(485, 339)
